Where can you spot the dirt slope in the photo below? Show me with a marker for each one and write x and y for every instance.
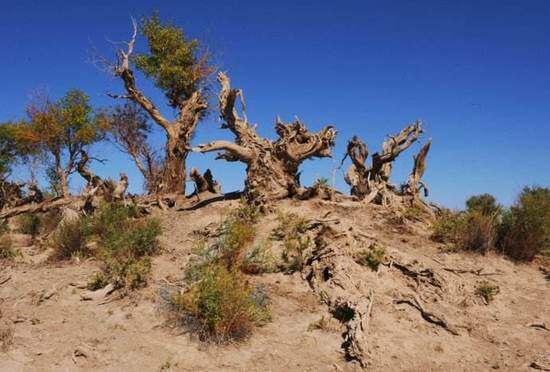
(54, 330)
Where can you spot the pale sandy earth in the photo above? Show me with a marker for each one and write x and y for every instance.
(56, 331)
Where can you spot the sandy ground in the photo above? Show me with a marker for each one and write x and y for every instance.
(54, 330)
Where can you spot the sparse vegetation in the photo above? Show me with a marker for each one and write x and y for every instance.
(521, 232)
(7, 251)
(29, 224)
(220, 303)
(320, 324)
(372, 257)
(291, 230)
(487, 291)
(70, 241)
(471, 230)
(258, 260)
(6, 336)
(124, 244)
(525, 228)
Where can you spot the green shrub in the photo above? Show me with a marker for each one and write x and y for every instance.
(477, 232)
(289, 225)
(7, 251)
(485, 204)
(487, 291)
(70, 241)
(29, 224)
(371, 257)
(293, 255)
(222, 304)
(414, 213)
(124, 244)
(473, 230)
(445, 227)
(525, 228)
(258, 260)
(97, 281)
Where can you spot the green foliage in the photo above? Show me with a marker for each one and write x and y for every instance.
(487, 291)
(484, 203)
(7, 252)
(525, 228)
(414, 213)
(473, 230)
(173, 62)
(293, 256)
(8, 149)
(258, 260)
(97, 281)
(291, 230)
(323, 181)
(125, 244)
(372, 257)
(70, 240)
(222, 303)
(29, 224)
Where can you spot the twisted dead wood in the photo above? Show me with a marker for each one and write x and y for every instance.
(272, 166)
(372, 183)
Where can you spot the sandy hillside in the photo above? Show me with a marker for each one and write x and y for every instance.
(425, 315)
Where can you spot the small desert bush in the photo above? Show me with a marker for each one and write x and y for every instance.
(221, 304)
(35, 224)
(258, 260)
(484, 203)
(472, 230)
(372, 257)
(445, 227)
(477, 232)
(289, 225)
(525, 228)
(69, 241)
(125, 243)
(7, 252)
(97, 281)
(294, 253)
(487, 291)
(291, 229)
(414, 213)
(29, 224)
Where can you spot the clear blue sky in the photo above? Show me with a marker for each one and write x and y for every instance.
(476, 72)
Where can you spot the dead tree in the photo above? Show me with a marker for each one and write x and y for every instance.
(204, 182)
(97, 187)
(372, 183)
(272, 166)
(190, 106)
(415, 184)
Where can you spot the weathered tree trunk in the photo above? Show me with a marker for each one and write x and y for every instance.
(372, 184)
(204, 182)
(272, 166)
(415, 184)
(178, 131)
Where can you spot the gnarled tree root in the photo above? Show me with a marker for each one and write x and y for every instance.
(329, 274)
(427, 315)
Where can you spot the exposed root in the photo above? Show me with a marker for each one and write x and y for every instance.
(329, 273)
(478, 272)
(428, 316)
(425, 276)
